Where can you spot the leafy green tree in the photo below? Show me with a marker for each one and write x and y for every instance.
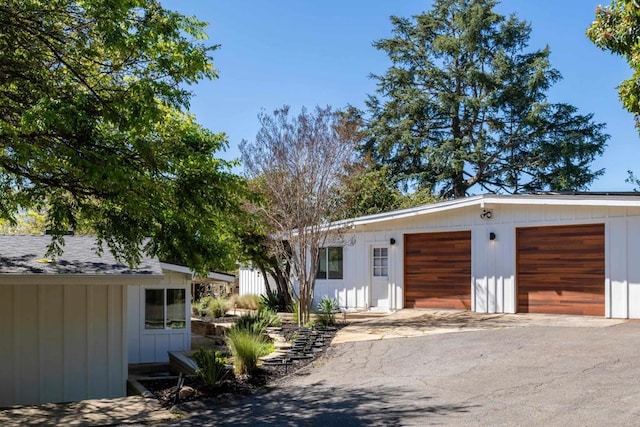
(93, 128)
(27, 222)
(617, 29)
(368, 190)
(464, 106)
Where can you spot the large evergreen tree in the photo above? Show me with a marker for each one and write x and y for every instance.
(464, 106)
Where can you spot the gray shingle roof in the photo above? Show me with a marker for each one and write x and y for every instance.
(26, 255)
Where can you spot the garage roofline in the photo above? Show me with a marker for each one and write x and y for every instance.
(486, 200)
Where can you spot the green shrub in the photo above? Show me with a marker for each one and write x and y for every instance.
(195, 309)
(217, 307)
(270, 301)
(205, 302)
(249, 302)
(326, 315)
(257, 322)
(270, 317)
(200, 307)
(246, 348)
(295, 309)
(211, 367)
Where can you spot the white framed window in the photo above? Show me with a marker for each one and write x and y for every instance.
(380, 262)
(331, 263)
(165, 309)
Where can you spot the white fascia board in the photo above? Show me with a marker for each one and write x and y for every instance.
(410, 212)
(230, 278)
(176, 268)
(485, 201)
(186, 270)
(564, 200)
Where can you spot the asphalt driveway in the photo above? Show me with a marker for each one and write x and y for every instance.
(488, 370)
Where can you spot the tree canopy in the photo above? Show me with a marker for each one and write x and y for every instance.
(617, 29)
(464, 106)
(93, 127)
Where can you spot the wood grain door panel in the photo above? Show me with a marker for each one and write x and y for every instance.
(560, 269)
(437, 270)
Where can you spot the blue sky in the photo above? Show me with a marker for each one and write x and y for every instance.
(307, 53)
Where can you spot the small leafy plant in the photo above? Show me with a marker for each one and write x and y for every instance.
(199, 308)
(270, 301)
(217, 307)
(247, 340)
(246, 348)
(211, 367)
(258, 322)
(326, 315)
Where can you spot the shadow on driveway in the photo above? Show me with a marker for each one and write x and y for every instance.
(322, 405)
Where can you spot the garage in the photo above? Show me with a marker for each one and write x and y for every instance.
(437, 270)
(561, 269)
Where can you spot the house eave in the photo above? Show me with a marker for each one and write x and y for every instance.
(485, 201)
(230, 278)
(84, 279)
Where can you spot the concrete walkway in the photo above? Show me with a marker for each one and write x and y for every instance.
(420, 322)
(101, 412)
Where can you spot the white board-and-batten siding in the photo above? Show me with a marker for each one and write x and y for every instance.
(251, 282)
(62, 342)
(493, 283)
(153, 345)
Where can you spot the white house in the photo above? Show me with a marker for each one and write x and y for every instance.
(555, 253)
(159, 314)
(69, 328)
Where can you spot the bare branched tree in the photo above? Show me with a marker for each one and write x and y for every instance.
(298, 163)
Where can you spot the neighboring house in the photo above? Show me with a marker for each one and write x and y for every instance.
(69, 328)
(555, 253)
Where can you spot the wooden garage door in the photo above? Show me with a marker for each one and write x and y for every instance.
(437, 270)
(561, 269)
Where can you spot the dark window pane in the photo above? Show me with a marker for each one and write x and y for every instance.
(176, 309)
(322, 266)
(154, 309)
(335, 263)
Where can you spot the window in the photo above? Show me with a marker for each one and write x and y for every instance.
(176, 309)
(330, 266)
(154, 309)
(165, 309)
(380, 262)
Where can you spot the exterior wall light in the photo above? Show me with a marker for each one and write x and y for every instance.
(486, 214)
(492, 236)
(392, 241)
